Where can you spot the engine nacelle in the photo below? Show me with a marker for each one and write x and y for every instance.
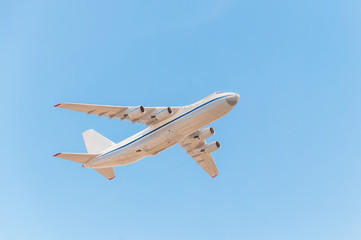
(211, 147)
(164, 114)
(205, 133)
(136, 112)
(200, 134)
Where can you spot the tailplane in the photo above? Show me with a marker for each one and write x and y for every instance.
(95, 142)
(77, 157)
(84, 158)
(106, 172)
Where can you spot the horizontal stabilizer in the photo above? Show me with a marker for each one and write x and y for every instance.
(106, 172)
(77, 157)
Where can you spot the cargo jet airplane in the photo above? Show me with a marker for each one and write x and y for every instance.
(167, 127)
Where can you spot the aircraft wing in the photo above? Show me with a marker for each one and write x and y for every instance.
(139, 114)
(204, 159)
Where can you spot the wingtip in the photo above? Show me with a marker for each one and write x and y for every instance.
(57, 105)
(214, 176)
(111, 178)
(56, 154)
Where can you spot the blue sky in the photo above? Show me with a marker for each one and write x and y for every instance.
(290, 163)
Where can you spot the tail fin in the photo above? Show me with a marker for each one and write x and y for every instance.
(77, 157)
(95, 142)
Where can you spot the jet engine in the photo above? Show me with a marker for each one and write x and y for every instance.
(211, 147)
(164, 114)
(200, 134)
(136, 112)
(208, 148)
(205, 133)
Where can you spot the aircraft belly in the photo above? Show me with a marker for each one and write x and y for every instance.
(202, 118)
(176, 131)
(161, 140)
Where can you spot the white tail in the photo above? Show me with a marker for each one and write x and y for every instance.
(95, 142)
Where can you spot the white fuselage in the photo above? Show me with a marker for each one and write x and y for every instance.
(167, 133)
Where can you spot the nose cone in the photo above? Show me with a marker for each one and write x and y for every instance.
(232, 100)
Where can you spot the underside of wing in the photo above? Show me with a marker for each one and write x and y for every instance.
(140, 114)
(205, 160)
(200, 151)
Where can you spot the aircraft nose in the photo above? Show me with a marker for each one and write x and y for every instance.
(232, 100)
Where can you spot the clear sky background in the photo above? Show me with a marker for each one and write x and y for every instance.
(290, 162)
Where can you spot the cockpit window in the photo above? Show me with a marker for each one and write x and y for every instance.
(218, 92)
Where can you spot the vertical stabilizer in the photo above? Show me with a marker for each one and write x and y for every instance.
(95, 142)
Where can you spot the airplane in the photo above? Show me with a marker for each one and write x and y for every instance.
(167, 127)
